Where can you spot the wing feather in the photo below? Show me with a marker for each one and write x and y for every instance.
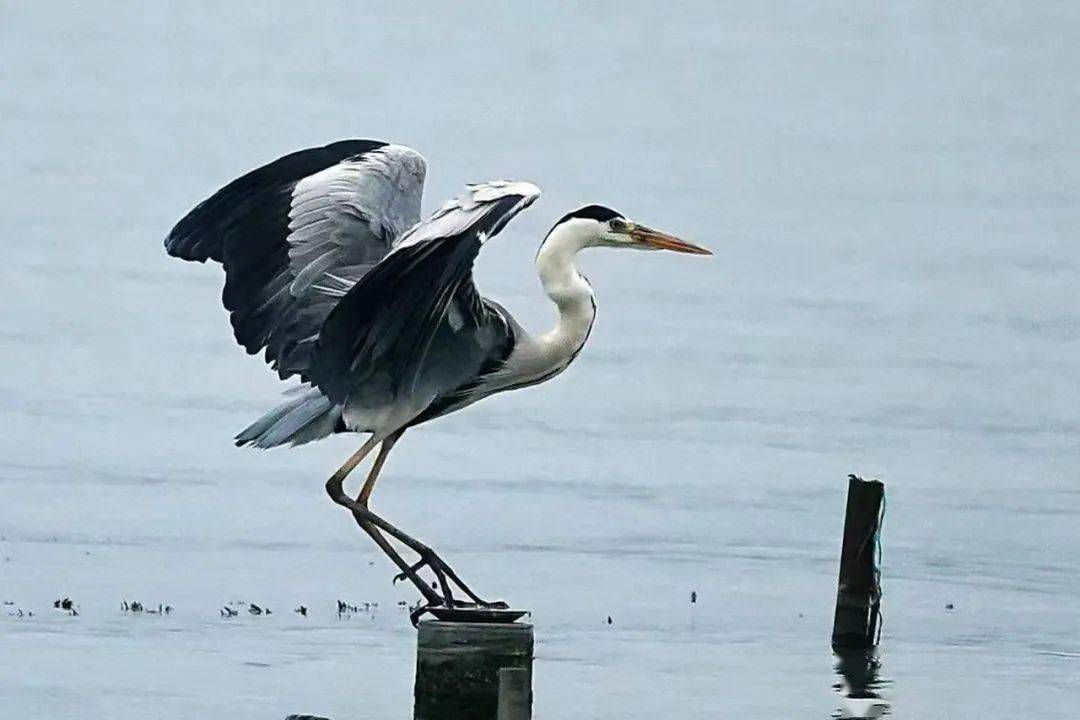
(295, 234)
(387, 324)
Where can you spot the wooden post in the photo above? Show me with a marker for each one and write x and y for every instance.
(515, 694)
(858, 595)
(458, 668)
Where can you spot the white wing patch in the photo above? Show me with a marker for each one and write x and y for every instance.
(360, 203)
(461, 213)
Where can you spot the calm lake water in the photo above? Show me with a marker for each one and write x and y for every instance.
(892, 195)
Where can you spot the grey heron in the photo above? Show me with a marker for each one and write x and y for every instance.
(331, 272)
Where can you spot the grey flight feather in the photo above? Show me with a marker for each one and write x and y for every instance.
(296, 234)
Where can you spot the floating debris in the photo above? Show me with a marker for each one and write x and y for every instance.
(302, 610)
(232, 609)
(135, 607)
(344, 609)
(66, 604)
(949, 606)
(608, 619)
(693, 596)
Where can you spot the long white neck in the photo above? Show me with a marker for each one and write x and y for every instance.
(571, 294)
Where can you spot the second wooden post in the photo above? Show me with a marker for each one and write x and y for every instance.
(858, 596)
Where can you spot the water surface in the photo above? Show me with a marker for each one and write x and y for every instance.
(892, 197)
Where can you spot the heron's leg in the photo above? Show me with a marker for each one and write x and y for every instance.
(335, 489)
(407, 571)
(365, 517)
(384, 451)
(427, 555)
(438, 566)
(372, 523)
(334, 484)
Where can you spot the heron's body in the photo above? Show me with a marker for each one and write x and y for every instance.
(330, 271)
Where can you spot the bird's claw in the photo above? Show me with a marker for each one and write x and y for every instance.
(404, 574)
(445, 575)
(419, 611)
(428, 559)
(482, 605)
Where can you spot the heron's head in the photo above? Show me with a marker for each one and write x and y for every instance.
(598, 226)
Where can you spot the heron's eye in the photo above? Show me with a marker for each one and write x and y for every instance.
(618, 225)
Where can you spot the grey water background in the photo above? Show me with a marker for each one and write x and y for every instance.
(891, 193)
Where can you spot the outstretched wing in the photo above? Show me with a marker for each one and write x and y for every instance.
(416, 317)
(295, 235)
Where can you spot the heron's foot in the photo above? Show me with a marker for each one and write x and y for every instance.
(445, 575)
(418, 612)
(432, 597)
(439, 593)
(423, 609)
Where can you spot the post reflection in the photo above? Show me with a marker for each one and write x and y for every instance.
(859, 682)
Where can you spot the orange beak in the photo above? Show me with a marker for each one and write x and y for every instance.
(655, 240)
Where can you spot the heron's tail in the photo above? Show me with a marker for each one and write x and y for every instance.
(307, 417)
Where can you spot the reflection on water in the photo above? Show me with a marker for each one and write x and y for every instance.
(860, 681)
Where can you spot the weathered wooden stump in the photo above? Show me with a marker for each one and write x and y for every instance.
(858, 595)
(458, 668)
(515, 694)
